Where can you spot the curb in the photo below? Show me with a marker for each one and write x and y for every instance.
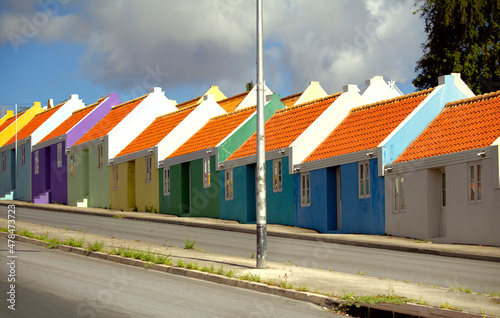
(233, 228)
(360, 310)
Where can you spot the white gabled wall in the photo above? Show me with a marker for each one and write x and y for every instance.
(57, 118)
(326, 123)
(251, 98)
(189, 126)
(312, 92)
(154, 105)
(377, 90)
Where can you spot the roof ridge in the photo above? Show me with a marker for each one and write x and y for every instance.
(86, 107)
(50, 109)
(183, 109)
(394, 99)
(473, 99)
(315, 101)
(232, 97)
(130, 101)
(234, 112)
(188, 102)
(292, 96)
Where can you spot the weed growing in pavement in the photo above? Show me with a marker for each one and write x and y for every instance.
(286, 284)
(189, 245)
(193, 266)
(53, 243)
(353, 299)
(360, 273)
(220, 270)
(251, 277)
(95, 247)
(73, 242)
(447, 305)
(253, 255)
(180, 263)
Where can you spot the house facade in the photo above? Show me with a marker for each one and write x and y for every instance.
(141, 190)
(191, 174)
(446, 185)
(89, 159)
(27, 164)
(51, 186)
(342, 180)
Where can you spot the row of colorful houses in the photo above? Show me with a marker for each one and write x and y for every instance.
(423, 165)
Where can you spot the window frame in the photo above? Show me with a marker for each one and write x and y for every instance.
(149, 169)
(4, 162)
(100, 157)
(166, 181)
(277, 175)
(475, 182)
(364, 179)
(228, 184)
(305, 189)
(37, 162)
(23, 155)
(59, 155)
(206, 172)
(115, 177)
(399, 194)
(72, 165)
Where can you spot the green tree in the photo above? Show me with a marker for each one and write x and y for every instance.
(462, 36)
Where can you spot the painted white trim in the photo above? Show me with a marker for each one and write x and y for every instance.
(134, 123)
(57, 118)
(377, 90)
(337, 160)
(319, 130)
(188, 127)
(312, 92)
(251, 98)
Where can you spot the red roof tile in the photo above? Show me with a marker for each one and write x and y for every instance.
(10, 120)
(290, 100)
(286, 125)
(36, 122)
(72, 120)
(229, 104)
(462, 125)
(367, 126)
(214, 131)
(158, 130)
(108, 122)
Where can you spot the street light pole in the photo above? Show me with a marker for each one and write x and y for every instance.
(261, 150)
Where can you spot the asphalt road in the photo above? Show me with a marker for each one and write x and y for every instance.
(52, 283)
(480, 276)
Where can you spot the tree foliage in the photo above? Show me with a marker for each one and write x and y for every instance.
(463, 36)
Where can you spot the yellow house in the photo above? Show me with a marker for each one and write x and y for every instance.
(8, 128)
(7, 115)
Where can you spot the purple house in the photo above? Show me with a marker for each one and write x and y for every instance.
(49, 174)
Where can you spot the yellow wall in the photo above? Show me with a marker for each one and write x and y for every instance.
(146, 194)
(214, 90)
(7, 115)
(22, 120)
(123, 197)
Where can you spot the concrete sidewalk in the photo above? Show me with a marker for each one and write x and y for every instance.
(322, 287)
(484, 253)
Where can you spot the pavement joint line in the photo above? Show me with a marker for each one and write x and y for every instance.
(325, 301)
(174, 220)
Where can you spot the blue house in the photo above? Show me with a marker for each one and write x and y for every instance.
(339, 186)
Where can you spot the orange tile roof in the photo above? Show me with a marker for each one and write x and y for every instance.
(462, 125)
(216, 129)
(10, 120)
(286, 125)
(290, 100)
(36, 122)
(108, 122)
(189, 103)
(158, 129)
(229, 104)
(72, 120)
(367, 126)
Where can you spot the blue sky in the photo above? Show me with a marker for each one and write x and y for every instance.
(50, 49)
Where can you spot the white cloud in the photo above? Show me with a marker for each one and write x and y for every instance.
(212, 42)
